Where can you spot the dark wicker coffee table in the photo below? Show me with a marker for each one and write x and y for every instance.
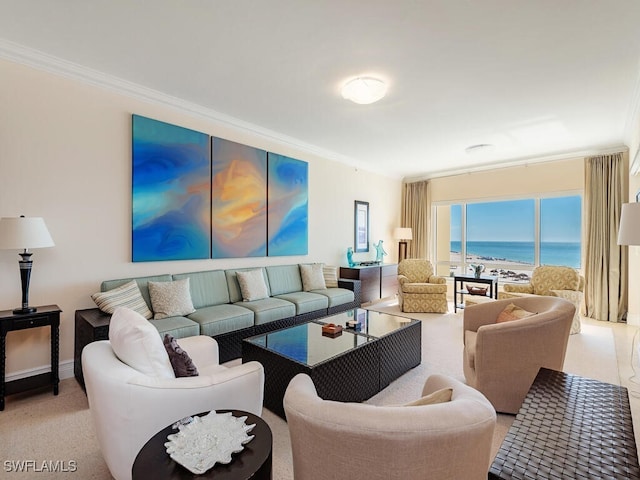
(351, 367)
(569, 427)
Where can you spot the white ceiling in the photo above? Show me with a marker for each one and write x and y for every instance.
(536, 78)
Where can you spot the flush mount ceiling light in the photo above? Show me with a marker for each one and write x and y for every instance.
(479, 148)
(364, 90)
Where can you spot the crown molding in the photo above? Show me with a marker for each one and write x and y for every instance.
(48, 63)
(520, 162)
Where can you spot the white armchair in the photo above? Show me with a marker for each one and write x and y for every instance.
(129, 407)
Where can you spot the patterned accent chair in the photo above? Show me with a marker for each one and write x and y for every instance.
(553, 281)
(419, 289)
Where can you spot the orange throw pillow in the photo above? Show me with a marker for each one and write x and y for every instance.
(513, 312)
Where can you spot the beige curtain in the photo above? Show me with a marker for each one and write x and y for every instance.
(416, 213)
(605, 261)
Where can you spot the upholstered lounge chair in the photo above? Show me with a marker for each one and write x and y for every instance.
(357, 441)
(563, 282)
(128, 407)
(502, 359)
(419, 290)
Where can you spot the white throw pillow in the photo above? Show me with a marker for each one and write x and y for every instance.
(127, 295)
(136, 342)
(312, 277)
(252, 285)
(330, 276)
(170, 299)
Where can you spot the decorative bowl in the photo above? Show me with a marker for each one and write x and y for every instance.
(208, 440)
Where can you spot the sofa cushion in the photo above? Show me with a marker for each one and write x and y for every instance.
(235, 294)
(180, 360)
(284, 279)
(142, 284)
(179, 327)
(336, 296)
(136, 342)
(269, 310)
(424, 288)
(330, 274)
(252, 285)
(306, 302)
(170, 299)
(127, 295)
(207, 288)
(312, 277)
(219, 319)
(439, 396)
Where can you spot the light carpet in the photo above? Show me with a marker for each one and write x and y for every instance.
(39, 426)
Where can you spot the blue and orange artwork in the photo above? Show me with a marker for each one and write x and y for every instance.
(239, 200)
(171, 192)
(288, 205)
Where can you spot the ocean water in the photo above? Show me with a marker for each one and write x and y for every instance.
(551, 253)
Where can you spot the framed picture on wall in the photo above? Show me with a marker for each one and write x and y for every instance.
(361, 226)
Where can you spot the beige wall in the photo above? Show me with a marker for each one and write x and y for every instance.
(547, 178)
(538, 178)
(65, 155)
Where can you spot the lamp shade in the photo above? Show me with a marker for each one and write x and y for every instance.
(629, 233)
(403, 233)
(24, 233)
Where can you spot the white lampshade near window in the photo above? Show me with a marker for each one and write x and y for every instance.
(629, 233)
(24, 233)
(402, 234)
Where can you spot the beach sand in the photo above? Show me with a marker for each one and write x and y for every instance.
(490, 264)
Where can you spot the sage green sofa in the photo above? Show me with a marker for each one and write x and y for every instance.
(220, 311)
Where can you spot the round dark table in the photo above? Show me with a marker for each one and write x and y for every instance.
(253, 462)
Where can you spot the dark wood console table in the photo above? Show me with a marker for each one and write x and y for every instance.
(376, 281)
(569, 427)
(48, 315)
(91, 325)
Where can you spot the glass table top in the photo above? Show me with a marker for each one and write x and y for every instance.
(374, 324)
(306, 344)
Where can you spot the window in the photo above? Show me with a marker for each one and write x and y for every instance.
(509, 237)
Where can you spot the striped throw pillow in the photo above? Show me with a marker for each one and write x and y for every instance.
(330, 276)
(127, 295)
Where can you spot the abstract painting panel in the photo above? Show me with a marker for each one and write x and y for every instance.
(288, 202)
(171, 192)
(239, 200)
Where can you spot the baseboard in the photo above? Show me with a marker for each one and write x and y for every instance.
(65, 371)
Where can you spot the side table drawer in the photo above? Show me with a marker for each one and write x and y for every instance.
(22, 323)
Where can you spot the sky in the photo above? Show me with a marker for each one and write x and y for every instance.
(514, 220)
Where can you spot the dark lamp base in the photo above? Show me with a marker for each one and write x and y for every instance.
(22, 311)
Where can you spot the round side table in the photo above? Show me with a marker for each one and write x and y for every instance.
(253, 462)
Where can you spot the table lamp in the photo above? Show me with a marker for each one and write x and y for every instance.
(402, 234)
(22, 233)
(629, 234)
